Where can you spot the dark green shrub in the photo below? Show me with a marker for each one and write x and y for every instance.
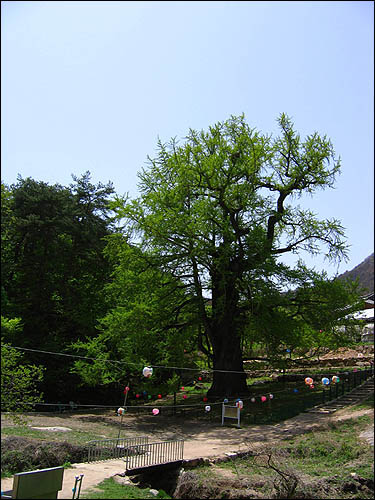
(22, 454)
(13, 461)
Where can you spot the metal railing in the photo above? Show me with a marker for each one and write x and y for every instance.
(106, 449)
(146, 455)
(349, 381)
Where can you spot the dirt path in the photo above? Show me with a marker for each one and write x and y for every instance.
(203, 440)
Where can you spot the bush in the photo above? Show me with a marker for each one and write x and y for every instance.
(22, 454)
(13, 461)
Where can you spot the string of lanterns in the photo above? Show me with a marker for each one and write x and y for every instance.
(325, 381)
(148, 371)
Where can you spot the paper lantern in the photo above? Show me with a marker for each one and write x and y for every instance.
(271, 396)
(184, 396)
(137, 396)
(182, 388)
(225, 400)
(252, 400)
(127, 389)
(287, 350)
(155, 411)
(295, 390)
(311, 386)
(263, 399)
(325, 381)
(159, 396)
(121, 411)
(207, 408)
(149, 396)
(147, 371)
(308, 380)
(335, 379)
(199, 378)
(239, 404)
(205, 399)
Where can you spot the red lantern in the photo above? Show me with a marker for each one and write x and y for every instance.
(205, 399)
(137, 396)
(199, 378)
(182, 388)
(184, 396)
(159, 396)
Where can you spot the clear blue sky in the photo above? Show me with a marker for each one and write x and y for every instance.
(92, 85)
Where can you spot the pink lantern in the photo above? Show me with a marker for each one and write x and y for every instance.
(155, 411)
(127, 389)
(263, 399)
(199, 378)
(182, 388)
(137, 396)
(184, 396)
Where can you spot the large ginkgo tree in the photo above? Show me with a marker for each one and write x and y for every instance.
(216, 212)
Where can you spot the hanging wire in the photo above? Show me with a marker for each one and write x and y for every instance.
(126, 362)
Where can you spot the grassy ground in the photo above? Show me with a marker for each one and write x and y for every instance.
(320, 464)
(74, 436)
(109, 489)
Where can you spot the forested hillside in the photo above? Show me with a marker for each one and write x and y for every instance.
(364, 272)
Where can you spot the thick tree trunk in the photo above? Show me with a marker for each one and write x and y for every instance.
(229, 380)
(228, 358)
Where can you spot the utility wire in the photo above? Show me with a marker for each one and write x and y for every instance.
(126, 362)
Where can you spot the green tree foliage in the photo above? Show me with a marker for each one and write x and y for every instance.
(218, 211)
(19, 382)
(54, 268)
(144, 324)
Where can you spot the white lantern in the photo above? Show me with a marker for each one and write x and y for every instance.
(121, 411)
(147, 371)
(207, 408)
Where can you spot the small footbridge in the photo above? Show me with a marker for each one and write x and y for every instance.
(138, 453)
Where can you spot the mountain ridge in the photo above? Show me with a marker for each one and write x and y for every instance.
(364, 272)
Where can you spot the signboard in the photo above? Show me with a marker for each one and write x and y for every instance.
(232, 412)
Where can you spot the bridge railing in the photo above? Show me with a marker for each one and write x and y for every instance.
(146, 455)
(106, 449)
